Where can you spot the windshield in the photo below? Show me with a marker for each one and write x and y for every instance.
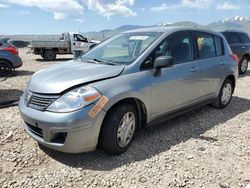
(123, 48)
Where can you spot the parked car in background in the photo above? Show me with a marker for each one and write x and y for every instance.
(240, 45)
(67, 44)
(136, 78)
(9, 59)
(18, 43)
(4, 40)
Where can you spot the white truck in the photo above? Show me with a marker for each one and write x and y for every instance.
(67, 44)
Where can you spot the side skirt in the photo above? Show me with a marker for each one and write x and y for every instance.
(178, 112)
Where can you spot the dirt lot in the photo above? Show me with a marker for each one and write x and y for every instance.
(203, 148)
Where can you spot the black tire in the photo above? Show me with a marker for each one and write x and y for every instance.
(49, 55)
(219, 101)
(5, 68)
(108, 136)
(243, 65)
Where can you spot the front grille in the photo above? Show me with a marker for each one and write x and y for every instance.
(35, 130)
(40, 102)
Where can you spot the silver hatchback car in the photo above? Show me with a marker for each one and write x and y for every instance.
(131, 80)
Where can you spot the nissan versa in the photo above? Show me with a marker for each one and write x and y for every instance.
(133, 79)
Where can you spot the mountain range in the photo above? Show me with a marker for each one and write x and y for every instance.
(235, 23)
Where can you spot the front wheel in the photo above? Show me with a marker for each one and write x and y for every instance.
(225, 95)
(118, 129)
(243, 65)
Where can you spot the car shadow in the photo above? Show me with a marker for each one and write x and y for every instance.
(22, 73)
(151, 141)
(57, 59)
(8, 96)
(247, 73)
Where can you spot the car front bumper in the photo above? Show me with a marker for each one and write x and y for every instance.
(73, 132)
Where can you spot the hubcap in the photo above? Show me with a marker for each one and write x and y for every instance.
(126, 129)
(244, 65)
(4, 69)
(226, 94)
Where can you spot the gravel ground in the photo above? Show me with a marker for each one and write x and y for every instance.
(202, 148)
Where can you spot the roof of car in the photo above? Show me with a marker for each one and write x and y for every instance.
(167, 29)
(233, 31)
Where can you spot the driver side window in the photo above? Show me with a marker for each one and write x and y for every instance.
(178, 45)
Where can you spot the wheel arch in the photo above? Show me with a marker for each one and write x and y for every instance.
(245, 55)
(232, 79)
(140, 108)
(9, 61)
(137, 103)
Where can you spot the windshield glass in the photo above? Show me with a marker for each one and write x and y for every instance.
(123, 48)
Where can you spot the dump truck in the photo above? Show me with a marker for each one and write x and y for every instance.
(66, 44)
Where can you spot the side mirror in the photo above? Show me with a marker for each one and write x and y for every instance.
(163, 61)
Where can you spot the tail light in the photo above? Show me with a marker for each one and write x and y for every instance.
(235, 58)
(11, 49)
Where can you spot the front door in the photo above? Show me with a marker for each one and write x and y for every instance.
(177, 86)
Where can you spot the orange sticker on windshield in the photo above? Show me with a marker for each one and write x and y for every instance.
(98, 106)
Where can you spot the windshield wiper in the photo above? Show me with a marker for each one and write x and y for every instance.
(105, 62)
(97, 61)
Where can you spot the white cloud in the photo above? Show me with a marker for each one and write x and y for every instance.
(3, 6)
(198, 4)
(160, 8)
(110, 8)
(227, 6)
(60, 8)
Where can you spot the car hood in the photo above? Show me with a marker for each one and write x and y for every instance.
(58, 78)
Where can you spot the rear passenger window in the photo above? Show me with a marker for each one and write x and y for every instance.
(234, 38)
(244, 38)
(219, 46)
(206, 46)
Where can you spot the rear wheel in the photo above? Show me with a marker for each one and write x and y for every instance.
(225, 95)
(243, 65)
(5, 68)
(118, 129)
(49, 55)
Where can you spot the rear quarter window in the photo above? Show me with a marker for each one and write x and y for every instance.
(244, 38)
(234, 38)
(219, 46)
(1, 44)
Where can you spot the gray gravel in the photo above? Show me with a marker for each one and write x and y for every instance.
(202, 148)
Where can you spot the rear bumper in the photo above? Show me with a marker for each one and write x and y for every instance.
(17, 62)
(73, 132)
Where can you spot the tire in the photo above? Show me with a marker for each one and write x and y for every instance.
(113, 126)
(5, 68)
(223, 100)
(49, 55)
(243, 65)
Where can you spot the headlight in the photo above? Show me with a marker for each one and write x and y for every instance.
(75, 99)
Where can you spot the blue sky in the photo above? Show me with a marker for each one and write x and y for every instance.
(56, 16)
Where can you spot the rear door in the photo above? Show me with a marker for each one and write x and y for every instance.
(210, 55)
(176, 86)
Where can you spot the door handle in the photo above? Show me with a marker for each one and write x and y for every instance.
(222, 62)
(193, 69)
(243, 47)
